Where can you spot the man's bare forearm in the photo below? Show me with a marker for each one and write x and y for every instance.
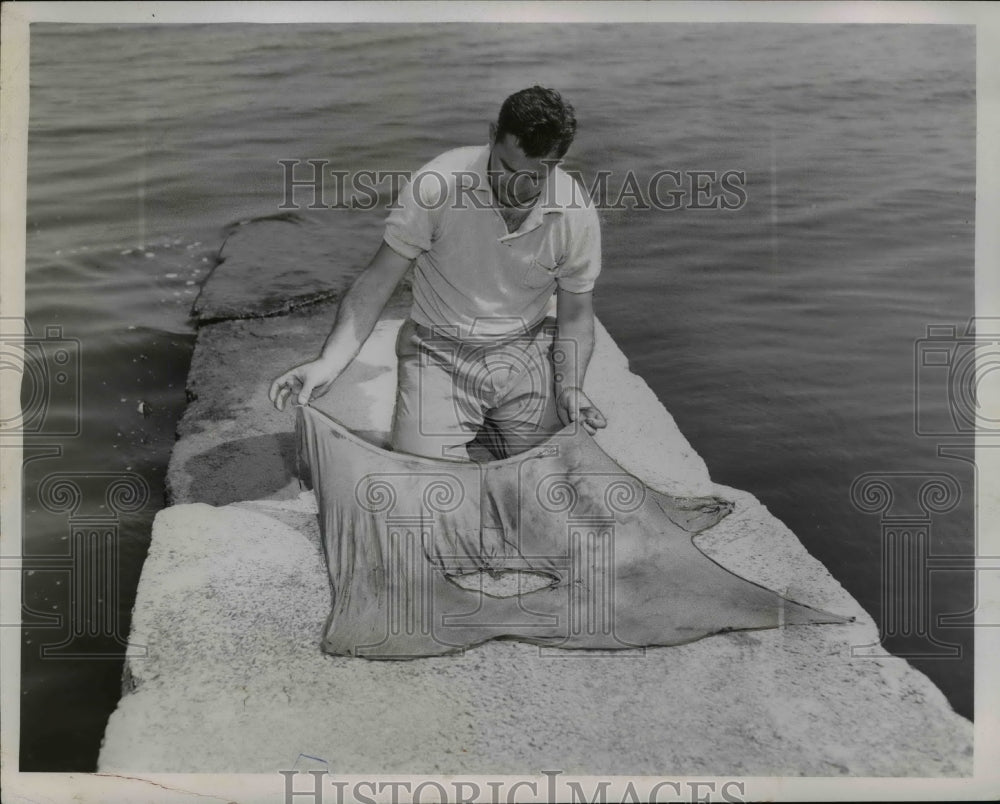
(571, 356)
(356, 317)
(362, 305)
(575, 341)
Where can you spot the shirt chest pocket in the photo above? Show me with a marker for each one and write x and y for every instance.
(542, 269)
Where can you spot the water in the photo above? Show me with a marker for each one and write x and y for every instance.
(781, 336)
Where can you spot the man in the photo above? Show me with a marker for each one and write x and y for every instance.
(491, 232)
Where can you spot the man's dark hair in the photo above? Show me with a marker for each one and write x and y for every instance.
(540, 119)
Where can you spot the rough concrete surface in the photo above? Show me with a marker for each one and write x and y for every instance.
(234, 595)
(231, 605)
(273, 265)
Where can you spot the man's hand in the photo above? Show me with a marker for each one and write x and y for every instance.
(305, 381)
(356, 316)
(572, 404)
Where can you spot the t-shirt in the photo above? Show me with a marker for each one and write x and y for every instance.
(471, 277)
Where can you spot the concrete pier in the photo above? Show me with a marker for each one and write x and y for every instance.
(234, 595)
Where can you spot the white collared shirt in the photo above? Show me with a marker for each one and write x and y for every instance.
(472, 277)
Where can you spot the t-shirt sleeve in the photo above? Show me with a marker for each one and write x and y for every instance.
(583, 261)
(411, 226)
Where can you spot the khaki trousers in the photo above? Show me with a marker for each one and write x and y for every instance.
(456, 398)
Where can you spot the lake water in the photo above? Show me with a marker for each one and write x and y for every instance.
(782, 335)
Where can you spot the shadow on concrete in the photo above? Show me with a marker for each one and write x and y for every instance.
(256, 468)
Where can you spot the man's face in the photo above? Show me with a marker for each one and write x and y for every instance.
(515, 178)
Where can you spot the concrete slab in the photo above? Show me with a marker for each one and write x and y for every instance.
(273, 265)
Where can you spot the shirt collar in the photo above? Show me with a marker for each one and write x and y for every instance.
(560, 190)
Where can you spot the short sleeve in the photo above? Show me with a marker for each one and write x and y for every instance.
(583, 262)
(410, 227)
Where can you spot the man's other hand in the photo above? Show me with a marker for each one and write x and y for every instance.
(305, 381)
(573, 404)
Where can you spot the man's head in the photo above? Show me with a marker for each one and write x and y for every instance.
(541, 122)
(535, 127)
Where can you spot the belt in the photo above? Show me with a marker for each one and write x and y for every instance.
(448, 332)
